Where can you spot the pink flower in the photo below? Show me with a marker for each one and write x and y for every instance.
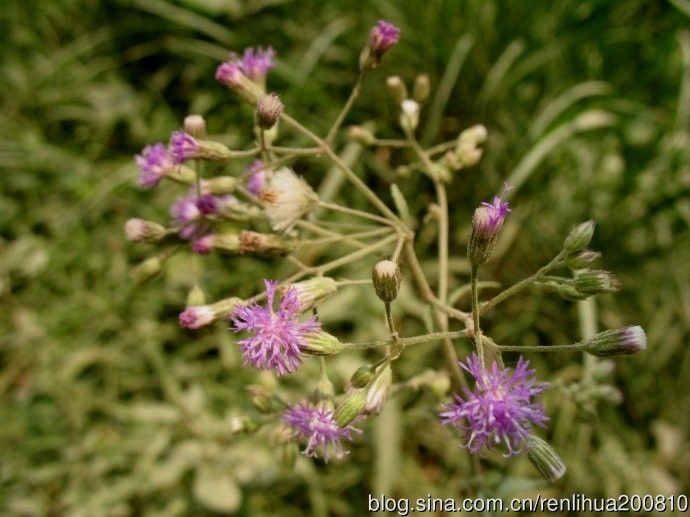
(153, 163)
(383, 36)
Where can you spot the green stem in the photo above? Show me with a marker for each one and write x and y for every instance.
(346, 108)
(475, 313)
(406, 341)
(358, 213)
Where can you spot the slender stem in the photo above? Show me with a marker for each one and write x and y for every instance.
(353, 211)
(355, 255)
(575, 347)
(314, 228)
(338, 238)
(347, 282)
(382, 142)
(475, 314)
(346, 108)
(304, 151)
(407, 341)
(395, 349)
(398, 249)
(522, 284)
(349, 173)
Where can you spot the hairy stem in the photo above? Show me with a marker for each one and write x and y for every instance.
(475, 314)
(346, 109)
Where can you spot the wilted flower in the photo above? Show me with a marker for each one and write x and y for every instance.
(154, 162)
(499, 410)
(277, 336)
(317, 425)
(287, 198)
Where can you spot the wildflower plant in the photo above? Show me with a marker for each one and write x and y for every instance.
(266, 208)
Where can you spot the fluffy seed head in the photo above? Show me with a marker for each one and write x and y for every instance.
(287, 198)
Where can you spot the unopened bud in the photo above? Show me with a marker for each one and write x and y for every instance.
(313, 291)
(268, 111)
(468, 154)
(223, 242)
(409, 115)
(362, 376)
(321, 343)
(361, 135)
(595, 281)
(197, 316)
(397, 89)
(386, 278)
(579, 237)
(422, 88)
(195, 125)
(583, 259)
(219, 185)
(623, 341)
(544, 458)
(147, 269)
(350, 408)
(377, 394)
(486, 226)
(324, 391)
(475, 135)
(260, 398)
(564, 290)
(141, 230)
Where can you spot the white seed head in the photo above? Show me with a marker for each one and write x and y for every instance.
(287, 198)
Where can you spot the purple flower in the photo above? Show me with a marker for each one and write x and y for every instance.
(383, 36)
(208, 204)
(183, 146)
(277, 336)
(203, 245)
(488, 218)
(317, 425)
(153, 162)
(189, 211)
(256, 177)
(196, 317)
(254, 64)
(185, 210)
(498, 410)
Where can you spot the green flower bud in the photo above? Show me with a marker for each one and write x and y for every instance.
(564, 290)
(386, 278)
(141, 230)
(397, 89)
(544, 458)
(377, 394)
(260, 398)
(147, 269)
(196, 297)
(583, 259)
(363, 375)
(322, 343)
(422, 88)
(219, 185)
(361, 135)
(579, 237)
(264, 244)
(626, 340)
(195, 125)
(350, 408)
(595, 281)
(313, 291)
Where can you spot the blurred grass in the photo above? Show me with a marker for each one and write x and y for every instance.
(588, 109)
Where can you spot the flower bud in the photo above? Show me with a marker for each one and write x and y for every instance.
(141, 230)
(474, 135)
(147, 269)
(487, 222)
(422, 88)
(377, 394)
(623, 341)
(361, 135)
(350, 408)
(565, 290)
(468, 154)
(324, 391)
(263, 244)
(313, 291)
(183, 147)
(386, 278)
(362, 376)
(583, 259)
(595, 281)
(544, 458)
(268, 111)
(409, 115)
(219, 185)
(197, 316)
(223, 242)
(321, 343)
(195, 125)
(260, 398)
(397, 89)
(382, 37)
(579, 237)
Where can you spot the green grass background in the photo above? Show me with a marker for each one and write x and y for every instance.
(588, 109)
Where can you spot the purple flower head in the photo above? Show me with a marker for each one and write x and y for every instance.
(203, 245)
(229, 74)
(153, 163)
(256, 177)
(256, 63)
(277, 337)
(317, 425)
(383, 36)
(183, 146)
(196, 317)
(489, 217)
(185, 210)
(498, 410)
(208, 204)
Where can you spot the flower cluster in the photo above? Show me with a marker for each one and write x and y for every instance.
(499, 411)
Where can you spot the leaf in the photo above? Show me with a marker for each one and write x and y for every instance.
(216, 489)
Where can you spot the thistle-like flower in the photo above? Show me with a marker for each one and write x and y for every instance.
(317, 425)
(499, 410)
(277, 336)
(256, 177)
(487, 222)
(183, 146)
(154, 163)
(247, 74)
(186, 213)
(382, 37)
(287, 198)
(256, 62)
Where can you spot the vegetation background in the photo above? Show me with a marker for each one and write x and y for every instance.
(587, 103)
